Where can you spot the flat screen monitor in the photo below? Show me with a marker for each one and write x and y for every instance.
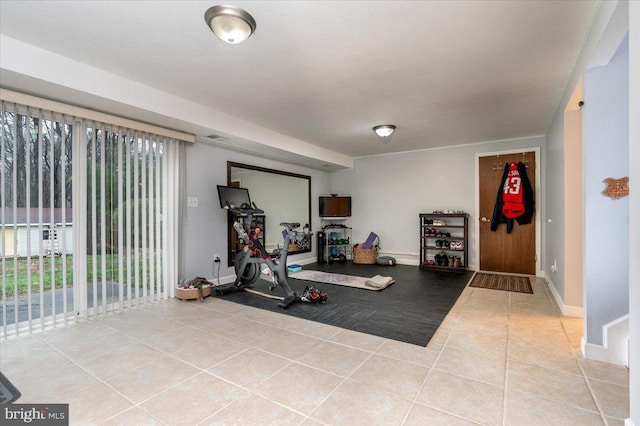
(335, 206)
(233, 197)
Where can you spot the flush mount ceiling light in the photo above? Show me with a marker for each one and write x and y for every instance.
(229, 23)
(384, 132)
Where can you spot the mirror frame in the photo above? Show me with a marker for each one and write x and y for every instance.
(230, 165)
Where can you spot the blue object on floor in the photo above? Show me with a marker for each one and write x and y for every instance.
(294, 268)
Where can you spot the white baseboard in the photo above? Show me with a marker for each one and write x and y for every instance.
(566, 310)
(615, 343)
(572, 311)
(306, 261)
(628, 422)
(410, 259)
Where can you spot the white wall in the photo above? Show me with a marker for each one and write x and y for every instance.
(634, 210)
(606, 220)
(390, 191)
(205, 227)
(554, 206)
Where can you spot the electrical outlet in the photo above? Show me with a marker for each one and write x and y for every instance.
(216, 258)
(192, 201)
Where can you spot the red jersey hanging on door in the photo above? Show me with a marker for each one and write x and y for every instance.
(514, 199)
(512, 206)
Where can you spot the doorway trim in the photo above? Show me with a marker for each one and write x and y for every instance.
(537, 215)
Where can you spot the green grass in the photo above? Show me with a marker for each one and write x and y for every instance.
(17, 272)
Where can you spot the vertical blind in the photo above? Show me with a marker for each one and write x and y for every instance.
(88, 217)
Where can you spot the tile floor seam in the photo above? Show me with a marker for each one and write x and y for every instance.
(443, 411)
(466, 377)
(373, 351)
(328, 340)
(402, 360)
(569, 349)
(149, 398)
(367, 385)
(607, 382)
(324, 371)
(130, 408)
(229, 358)
(397, 395)
(544, 398)
(592, 393)
(530, 364)
(260, 348)
(364, 361)
(310, 414)
(242, 386)
(506, 367)
(228, 404)
(426, 377)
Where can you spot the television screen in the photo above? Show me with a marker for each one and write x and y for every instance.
(235, 197)
(335, 206)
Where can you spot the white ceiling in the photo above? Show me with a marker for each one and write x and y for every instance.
(325, 72)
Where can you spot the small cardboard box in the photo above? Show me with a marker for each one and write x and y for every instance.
(192, 293)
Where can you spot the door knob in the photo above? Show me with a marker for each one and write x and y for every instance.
(485, 220)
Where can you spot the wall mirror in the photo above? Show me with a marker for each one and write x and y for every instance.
(284, 197)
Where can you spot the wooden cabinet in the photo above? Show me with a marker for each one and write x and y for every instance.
(444, 241)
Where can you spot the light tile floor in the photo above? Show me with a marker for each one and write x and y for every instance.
(499, 358)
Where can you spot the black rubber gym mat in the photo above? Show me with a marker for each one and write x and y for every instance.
(410, 310)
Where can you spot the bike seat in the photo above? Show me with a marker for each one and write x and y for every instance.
(290, 225)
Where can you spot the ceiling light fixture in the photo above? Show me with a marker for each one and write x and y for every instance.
(384, 132)
(229, 23)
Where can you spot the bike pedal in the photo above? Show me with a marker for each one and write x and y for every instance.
(289, 300)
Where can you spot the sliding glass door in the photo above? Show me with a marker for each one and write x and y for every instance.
(88, 217)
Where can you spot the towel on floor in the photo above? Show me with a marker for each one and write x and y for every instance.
(379, 281)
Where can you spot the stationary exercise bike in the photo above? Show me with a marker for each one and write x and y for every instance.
(248, 260)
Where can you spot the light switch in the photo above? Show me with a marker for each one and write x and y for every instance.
(192, 201)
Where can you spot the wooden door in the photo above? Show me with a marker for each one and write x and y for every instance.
(500, 251)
